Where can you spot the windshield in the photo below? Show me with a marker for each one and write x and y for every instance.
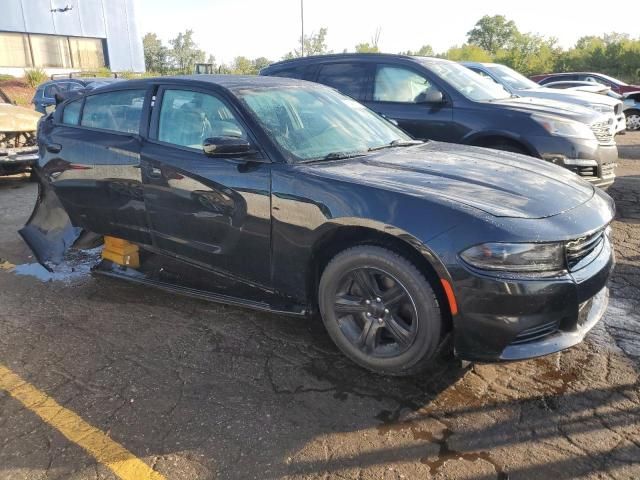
(613, 80)
(468, 83)
(312, 123)
(512, 78)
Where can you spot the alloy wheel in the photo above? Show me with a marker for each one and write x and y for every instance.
(375, 312)
(633, 121)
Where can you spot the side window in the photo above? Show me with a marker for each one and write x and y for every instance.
(118, 111)
(71, 113)
(396, 84)
(188, 118)
(348, 78)
(291, 73)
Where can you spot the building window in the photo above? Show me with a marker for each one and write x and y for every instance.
(86, 52)
(50, 51)
(14, 50)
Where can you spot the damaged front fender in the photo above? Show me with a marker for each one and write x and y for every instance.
(49, 231)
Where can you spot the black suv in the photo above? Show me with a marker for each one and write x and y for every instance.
(438, 99)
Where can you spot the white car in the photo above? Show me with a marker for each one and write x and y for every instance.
(517, 84)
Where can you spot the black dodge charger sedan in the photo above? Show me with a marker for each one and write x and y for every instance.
(286, 196)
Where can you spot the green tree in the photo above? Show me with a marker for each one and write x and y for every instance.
(314, 44)
(470, 53)
(423, 51)
(529, 54)
(366, 48)
(492, 33)
(185, 52)
(155, 54)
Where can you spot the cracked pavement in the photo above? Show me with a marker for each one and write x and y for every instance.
(200, 390)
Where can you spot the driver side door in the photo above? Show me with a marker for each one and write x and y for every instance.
(210, 211)
(397, 94)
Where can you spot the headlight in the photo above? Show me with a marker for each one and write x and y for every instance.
(516, 257)
(564, 128)
(598, 107)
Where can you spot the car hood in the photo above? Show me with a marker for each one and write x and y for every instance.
(18, 119)
(502, 184)
(550, 107)
(571, 96)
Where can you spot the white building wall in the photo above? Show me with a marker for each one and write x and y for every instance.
(113, 20)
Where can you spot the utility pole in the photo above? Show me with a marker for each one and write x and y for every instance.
(302, 23)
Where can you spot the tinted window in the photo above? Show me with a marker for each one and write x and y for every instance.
(118, 111)
(188, 118)
(558, 79)
(348, 78)
(61, 87)
(395, 84)
(71, 113)
(290, 73)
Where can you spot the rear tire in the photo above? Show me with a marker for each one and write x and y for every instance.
(380, 310)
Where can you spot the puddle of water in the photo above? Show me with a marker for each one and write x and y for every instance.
(76, 264)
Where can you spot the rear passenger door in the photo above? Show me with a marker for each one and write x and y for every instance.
(92, 158)
(350, 78)
(398, 94)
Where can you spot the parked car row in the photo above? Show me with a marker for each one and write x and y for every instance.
(602, 84)
(438, 99)
(287, 196)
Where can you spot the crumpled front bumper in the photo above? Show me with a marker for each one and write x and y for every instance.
(49, 231)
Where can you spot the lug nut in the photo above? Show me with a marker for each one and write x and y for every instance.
(378, 299)
(368, 314)
(368, 302)
(380, 320)
(386, 310)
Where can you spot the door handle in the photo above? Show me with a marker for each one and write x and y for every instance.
(53, 147)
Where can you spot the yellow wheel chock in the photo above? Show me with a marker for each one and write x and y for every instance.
(121, 252)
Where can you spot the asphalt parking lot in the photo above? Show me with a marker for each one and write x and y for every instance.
(168, 387)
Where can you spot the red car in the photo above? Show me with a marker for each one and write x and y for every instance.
(616, 85)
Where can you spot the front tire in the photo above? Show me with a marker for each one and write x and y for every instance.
(380, 310)
(633, 120)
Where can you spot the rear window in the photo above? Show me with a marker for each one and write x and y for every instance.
(117, 111)
(348, 78)
(71, 113)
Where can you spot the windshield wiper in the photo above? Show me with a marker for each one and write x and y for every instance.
(336, 156)
(397, 143)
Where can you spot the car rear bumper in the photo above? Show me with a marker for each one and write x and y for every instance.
(504, 318)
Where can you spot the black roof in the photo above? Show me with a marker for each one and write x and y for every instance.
(230, 82)
(347, 56)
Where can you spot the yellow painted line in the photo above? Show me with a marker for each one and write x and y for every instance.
(111, 454)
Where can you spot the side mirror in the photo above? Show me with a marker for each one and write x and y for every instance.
(217, 146)
(432, 96)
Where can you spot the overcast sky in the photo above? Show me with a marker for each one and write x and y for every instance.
(262, 28)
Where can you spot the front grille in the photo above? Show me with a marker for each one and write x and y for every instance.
(586, 172)
(603, 132)
(536, 333)
(580, 248)
(17, 139)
